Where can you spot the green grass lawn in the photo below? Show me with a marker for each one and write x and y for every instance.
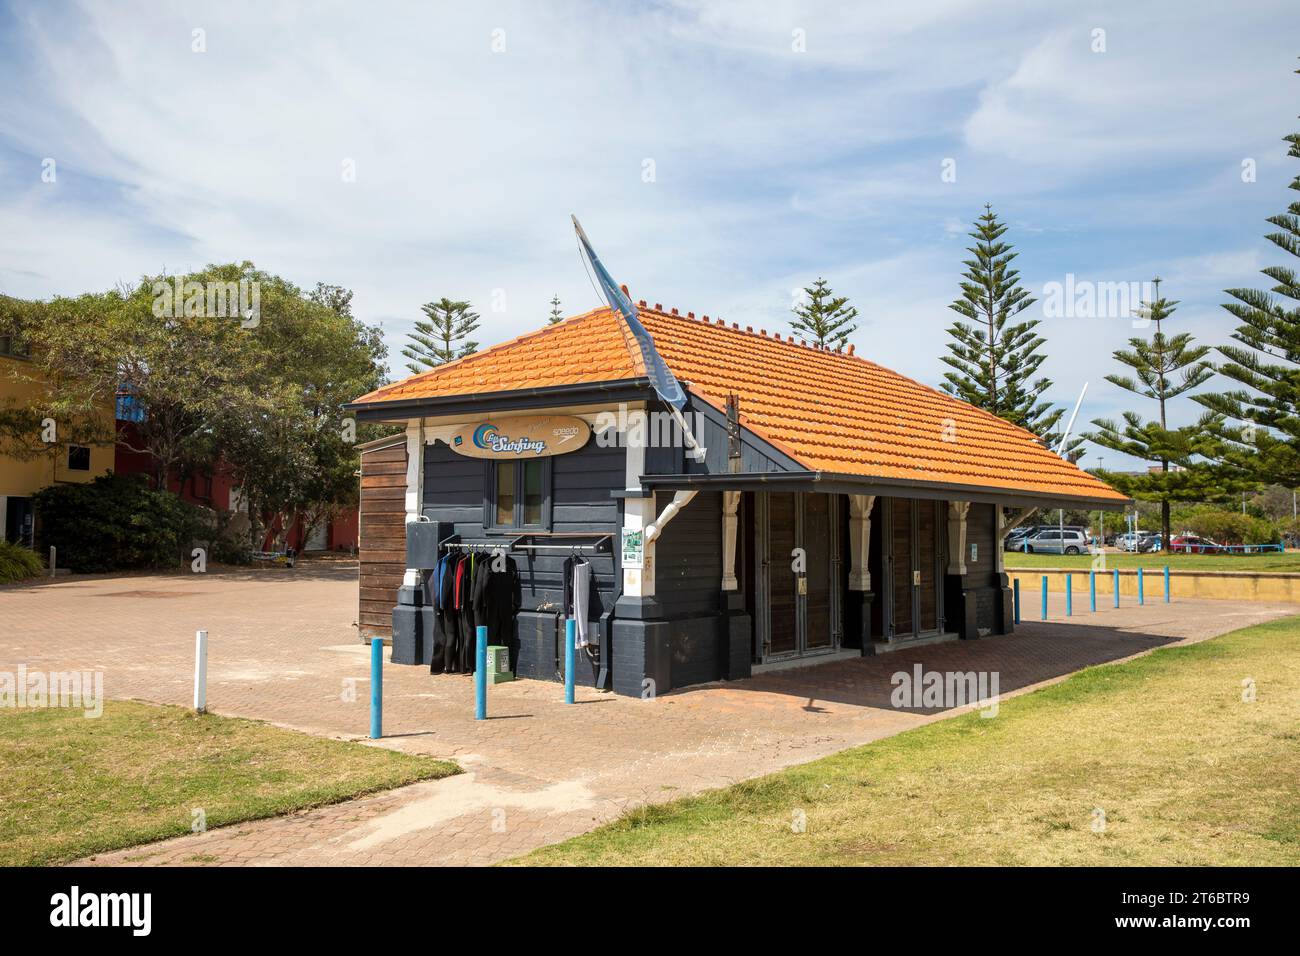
(1184, 770)
(1269, 561)
(71, 786)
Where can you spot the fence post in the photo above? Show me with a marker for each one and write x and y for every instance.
(1015, 591)
(1044, 597)
(1166, 584)
(480, 674)
(1092, 590)
(1117, 587)
(570, 638)
(201, 671)
(376, 688)
(1141, 596)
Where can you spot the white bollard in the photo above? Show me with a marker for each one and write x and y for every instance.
(201, 671)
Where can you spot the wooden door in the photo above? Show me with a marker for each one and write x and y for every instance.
(900, 534)
(782, 581)
(927, 557)
(817, 541)
(914, 532)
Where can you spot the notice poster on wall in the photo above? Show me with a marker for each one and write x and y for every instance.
(633, 548)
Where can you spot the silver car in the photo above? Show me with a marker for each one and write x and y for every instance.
(1055, 541)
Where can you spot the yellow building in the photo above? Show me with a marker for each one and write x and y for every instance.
(65, 462)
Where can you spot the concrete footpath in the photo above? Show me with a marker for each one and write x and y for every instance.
(284, 649)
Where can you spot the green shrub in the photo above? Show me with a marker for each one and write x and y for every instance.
(1224, 525)
(114, 523)
(17, 563)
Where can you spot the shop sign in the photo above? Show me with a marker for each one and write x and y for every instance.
(523, 436)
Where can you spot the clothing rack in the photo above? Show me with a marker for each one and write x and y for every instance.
(604, 543)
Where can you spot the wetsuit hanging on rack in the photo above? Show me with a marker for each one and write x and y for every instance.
(465, 611)
(498, 595)
(444, 622)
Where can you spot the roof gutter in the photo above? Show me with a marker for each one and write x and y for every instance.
(834, 483)
(399, 409)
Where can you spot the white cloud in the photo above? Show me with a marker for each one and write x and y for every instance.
(1154, 93)
(771, 166)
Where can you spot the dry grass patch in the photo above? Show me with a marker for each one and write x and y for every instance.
(71, 786)
(1184, 770)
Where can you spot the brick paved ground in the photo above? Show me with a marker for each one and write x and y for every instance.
(283, 648)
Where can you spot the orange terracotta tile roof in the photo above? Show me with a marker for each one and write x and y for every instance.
(830, 411)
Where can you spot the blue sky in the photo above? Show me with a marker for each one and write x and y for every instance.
(788, 141)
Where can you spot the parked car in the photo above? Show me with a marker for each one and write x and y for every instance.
(1149, 542)
(1056, 541)
(1015, 539)
(1194, 544)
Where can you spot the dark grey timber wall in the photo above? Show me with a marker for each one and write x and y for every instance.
(455, 488)
(755, 454)
(982, 585)
(688, 584)
(980, 531)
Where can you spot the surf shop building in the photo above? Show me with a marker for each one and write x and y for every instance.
(832, 506)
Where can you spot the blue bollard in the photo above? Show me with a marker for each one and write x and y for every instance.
(570, 640)
(376, 688)
(1166, 584)
(480, 674)
(1044, 597)
(1092, 590)
(1069, 595)
(1141, 597)
(1117, 587)
(1015, 592)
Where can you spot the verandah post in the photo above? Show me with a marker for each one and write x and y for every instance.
(570, 637)
(480, 674)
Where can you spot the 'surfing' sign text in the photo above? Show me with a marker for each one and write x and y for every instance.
(524, 436)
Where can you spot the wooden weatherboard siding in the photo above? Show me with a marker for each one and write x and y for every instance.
(580, 502)
(382, 535)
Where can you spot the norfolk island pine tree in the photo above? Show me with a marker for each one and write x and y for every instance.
(441, 336)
